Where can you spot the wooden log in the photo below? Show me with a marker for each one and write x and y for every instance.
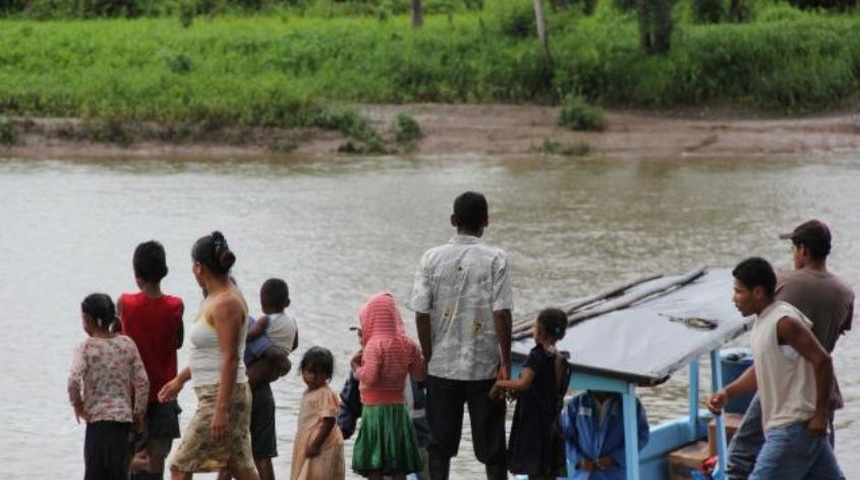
(527, 321)
(622, 302)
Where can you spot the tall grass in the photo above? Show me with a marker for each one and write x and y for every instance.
(283, 70)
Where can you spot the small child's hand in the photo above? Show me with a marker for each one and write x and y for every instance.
(586, 465)
(80, 413)
(137, 423)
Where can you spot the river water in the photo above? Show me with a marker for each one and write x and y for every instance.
(341, 229)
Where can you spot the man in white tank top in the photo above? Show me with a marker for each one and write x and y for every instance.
(794, 377)
(823, 298)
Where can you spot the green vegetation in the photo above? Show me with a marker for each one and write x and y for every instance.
(551, 147)
(292, 65)
(577, 114)
(8, 135)
(407, 131)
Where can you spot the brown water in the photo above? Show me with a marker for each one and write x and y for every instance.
(339, 230)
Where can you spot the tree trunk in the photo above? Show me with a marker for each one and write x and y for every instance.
(417, 14)
(645, 25)
(663, 27)
(543, 41)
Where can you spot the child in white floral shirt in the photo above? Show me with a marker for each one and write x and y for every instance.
(108, 389)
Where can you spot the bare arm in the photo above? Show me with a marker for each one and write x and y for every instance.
(745, 383)
(315, 445)
(425, 336)
(258, 328)
(527, 376)
(171, 389)
(227, 317)
(502, 321)
(791, 332)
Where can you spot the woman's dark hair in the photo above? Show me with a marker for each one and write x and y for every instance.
(318, 360)
(213, 253)
(150, 262)
(470, 210)
(553, 322)
(275, 294)
(756, 272)
(100, 307)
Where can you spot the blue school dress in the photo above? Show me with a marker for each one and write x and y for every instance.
(586, 438)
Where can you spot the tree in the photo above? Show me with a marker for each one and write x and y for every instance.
(655, 25)
(543, 41)
(417, 14)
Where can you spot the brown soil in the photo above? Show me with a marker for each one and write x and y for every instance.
(493, 130)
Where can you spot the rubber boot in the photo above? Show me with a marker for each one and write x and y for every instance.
(496, 472)
(439, 468)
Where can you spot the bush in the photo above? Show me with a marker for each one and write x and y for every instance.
(708, 11)
(8, 136)
(577, 114)
(518, 20)
(406, 129)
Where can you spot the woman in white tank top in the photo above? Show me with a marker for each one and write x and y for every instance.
(218, 437)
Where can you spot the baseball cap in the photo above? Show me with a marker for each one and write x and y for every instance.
(813, 233)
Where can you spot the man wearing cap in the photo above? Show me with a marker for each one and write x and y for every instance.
(827, 301)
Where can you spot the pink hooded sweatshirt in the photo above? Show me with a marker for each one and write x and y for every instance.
(389, 354)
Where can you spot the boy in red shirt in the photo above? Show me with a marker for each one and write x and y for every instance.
(154, 321)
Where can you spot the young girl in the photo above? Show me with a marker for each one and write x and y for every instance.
(386, 443)
(536, 445)
(106, 369)
(318, 449)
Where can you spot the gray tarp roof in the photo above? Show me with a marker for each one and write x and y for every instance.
(639, 343)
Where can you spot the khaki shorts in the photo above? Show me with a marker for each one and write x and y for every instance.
(198, 453)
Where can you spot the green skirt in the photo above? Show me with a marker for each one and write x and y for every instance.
(386, 442)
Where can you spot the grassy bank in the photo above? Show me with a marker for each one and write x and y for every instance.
(284, 69)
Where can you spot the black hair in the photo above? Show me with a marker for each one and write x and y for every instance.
(553, 322)
(318, 360)
(818, 250)
(213, 253)
(150, 262)
(275, 294)
(756, 272)
(470, 210)
(100, 307)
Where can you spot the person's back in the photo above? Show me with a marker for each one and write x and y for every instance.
(154, 324)
(827, 301)
(154, 321)
(463, 279)
(823, 297)
(283, 330)
(462, 299)
(280, 327)
(99, 362)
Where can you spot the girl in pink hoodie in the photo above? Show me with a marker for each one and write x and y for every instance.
(386, 443)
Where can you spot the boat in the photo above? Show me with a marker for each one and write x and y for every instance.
(640, 334)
